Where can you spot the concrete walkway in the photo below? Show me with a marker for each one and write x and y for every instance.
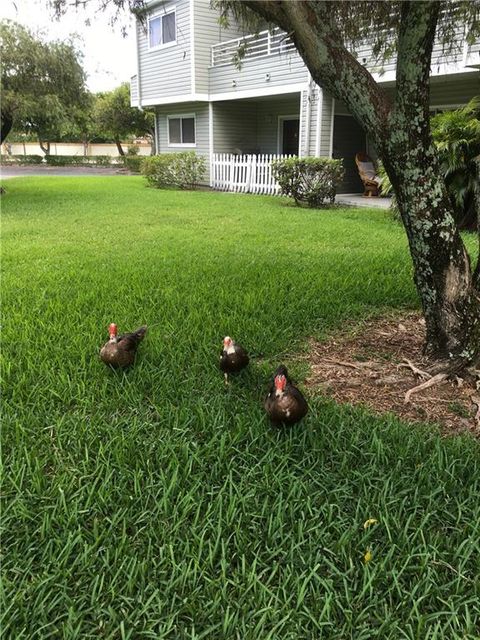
(33, 170)
(358, 200)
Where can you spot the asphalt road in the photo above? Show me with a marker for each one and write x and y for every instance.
(18, 171)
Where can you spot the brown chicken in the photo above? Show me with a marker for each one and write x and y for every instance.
(284, 404)
(233, 357)
(120, 351)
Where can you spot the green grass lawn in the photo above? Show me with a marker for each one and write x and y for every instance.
(158, 504)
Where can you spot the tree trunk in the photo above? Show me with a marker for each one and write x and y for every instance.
(401, 134)
(442, 272)
(45, 147)
(121, 152)
(6, 124)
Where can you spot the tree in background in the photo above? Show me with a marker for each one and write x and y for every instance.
(115, 118)
(42, 84)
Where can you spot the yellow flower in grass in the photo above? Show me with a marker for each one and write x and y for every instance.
(367, 557)
(369, 522)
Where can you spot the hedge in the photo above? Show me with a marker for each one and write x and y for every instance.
(312, 181)
(184, 170)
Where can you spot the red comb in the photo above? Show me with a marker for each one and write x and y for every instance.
(280, 382)
(112, 329)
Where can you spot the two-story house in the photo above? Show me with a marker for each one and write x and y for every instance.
(269, 105)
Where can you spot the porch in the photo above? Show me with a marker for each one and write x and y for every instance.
(263, 125)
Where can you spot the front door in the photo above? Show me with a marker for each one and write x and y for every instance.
(290, 130)
(348, 140)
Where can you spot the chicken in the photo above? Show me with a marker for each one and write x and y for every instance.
(120, 351)
(284, 404)
(233, 357)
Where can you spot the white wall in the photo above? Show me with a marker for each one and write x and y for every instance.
(71, 149)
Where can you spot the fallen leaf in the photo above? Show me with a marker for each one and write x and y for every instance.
(368, 522)
(367, 557)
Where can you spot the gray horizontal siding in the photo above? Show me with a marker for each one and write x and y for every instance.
(454, 90)
(268, 113)
(165, 72)
(200, 109)
(207, 32)
(326, 125)
(284, 69)
(245, 126)
(134, 90)
(235, 127)
(308, 133)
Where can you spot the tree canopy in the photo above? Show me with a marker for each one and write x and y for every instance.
(115, 118)
(42, 83)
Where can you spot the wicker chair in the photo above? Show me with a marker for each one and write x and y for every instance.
(368, 175)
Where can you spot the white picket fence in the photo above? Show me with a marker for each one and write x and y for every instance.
(245, 173)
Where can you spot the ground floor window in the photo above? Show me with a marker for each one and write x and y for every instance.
(181, 130)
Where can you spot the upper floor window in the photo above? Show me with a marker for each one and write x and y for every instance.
(162, 29)
(181, 130)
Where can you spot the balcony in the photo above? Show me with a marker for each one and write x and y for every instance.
(255, 45)
(268, 64)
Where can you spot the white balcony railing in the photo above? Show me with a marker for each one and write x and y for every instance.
(265, 43)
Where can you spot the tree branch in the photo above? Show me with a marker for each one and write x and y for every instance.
(332, 66)
(418, 23)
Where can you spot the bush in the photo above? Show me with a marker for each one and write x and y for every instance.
(133, 150)
(183, 170)
(105, 161)
(62, 161)
(457, 137)
(84, 161)
(133, 163)
(312, 181)
(21, 159)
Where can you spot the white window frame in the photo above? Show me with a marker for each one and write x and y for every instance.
(155, 16)
(181, 116)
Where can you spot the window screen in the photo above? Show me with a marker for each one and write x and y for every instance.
(168, 28)
(174, 131)
(155, 32)
(162, 29)
(181, 130)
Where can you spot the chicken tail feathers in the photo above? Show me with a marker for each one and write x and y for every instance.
(140, 333)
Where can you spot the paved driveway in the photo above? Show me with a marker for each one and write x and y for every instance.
(42, 170)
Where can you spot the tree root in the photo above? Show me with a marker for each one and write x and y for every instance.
(408, 364)
(476, 400)
(425, 385)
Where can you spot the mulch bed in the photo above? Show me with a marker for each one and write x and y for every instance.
(367, 364)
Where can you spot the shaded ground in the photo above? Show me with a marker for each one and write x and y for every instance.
(369, 365)
(35, 170)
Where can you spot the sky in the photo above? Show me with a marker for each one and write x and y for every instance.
(109, 58)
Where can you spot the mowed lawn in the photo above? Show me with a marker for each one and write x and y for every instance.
(158, 504)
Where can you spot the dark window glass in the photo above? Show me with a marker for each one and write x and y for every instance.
(168, 28)
(174, 134)
(188, 130)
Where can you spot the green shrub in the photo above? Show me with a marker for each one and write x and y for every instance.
(457, 137)
(62, 161)
(133, 150)
(133, 163)
(21, 159)
(312, 181)
(84, 161)
(105, 161)
(183, 170)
